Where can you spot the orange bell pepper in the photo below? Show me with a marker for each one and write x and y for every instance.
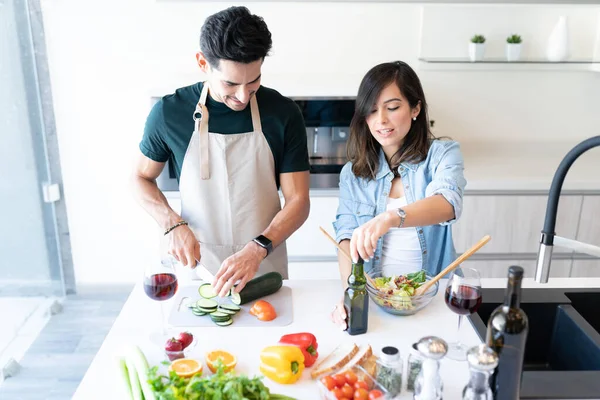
(263, 310)
(282, 364)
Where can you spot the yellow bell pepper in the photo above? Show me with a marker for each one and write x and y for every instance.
(282, 364)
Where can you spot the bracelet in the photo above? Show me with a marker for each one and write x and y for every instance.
(175, 226)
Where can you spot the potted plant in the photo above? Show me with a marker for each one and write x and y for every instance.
(477, 48)
(513, 48)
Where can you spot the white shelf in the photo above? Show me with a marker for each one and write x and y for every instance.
(498, 64)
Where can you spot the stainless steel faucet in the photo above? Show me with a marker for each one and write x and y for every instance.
(548, 238)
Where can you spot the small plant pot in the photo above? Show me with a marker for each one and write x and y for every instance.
(476, 51)
(513, 51)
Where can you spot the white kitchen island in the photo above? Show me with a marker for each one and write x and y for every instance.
(312, 303)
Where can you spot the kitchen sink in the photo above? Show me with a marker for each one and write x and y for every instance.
(562, 354)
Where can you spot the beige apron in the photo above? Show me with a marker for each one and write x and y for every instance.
(228, 190)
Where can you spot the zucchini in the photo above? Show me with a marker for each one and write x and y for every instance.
(218, 314)
(199, 313)
(224, 323)
(230, 307)
(207, 291)
(207, 304)
(225, 311)
(236, 299)
(262, 286)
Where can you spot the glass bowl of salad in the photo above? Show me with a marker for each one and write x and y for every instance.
(396, 294)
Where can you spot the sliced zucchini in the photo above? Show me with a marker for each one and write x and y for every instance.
(207, 304)
(218, 314)
(207, 310)
(207, 291)
(224, 323)
(235, 298)
(225, 311)
(230, 307)
(198, 312)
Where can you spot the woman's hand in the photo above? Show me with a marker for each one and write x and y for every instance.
(338, 315)
(364, 238)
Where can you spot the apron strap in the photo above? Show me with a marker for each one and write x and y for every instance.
(255, 114)
(201, 126)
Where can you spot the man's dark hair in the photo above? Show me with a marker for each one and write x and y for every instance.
(235, 34)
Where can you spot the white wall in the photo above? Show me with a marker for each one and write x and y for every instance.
(108, 57)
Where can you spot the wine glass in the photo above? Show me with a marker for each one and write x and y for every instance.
(160, 284)
(463, 297)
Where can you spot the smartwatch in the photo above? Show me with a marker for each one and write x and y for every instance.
(264, 242)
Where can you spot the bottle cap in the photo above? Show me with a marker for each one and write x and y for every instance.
(390, 354)
(514, 271)
(482, 358)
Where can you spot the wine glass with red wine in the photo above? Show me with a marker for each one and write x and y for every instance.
(160, 284)
(463, 297)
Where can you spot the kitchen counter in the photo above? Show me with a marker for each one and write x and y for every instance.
(312, 302)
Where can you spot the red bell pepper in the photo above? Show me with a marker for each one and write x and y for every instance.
(307, 342)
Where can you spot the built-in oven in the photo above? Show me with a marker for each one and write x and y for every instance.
(327, 121)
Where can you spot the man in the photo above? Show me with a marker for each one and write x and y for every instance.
(232, 142)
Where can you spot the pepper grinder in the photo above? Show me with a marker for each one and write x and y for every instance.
(429, 383)
(482, 362)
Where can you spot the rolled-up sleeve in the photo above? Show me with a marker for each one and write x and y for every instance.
(448, 178)
(345, 220)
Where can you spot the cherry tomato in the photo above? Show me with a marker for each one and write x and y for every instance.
(361, 394)
(351, 378)
(348, 391)
(337, 392)
(361, 385)
(328, 382)
(340, 380)
(375, 394)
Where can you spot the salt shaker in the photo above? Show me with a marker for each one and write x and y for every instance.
(389, 370)
(482, 362)
(429, 383)
(415, 360)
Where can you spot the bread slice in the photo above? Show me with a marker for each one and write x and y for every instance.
(361, 356)
(335, 360)
(369, 364)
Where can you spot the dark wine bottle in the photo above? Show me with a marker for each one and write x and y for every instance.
(356, 301)
(506, 335)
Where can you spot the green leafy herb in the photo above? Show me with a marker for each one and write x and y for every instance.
(417, 277)
(220, 386)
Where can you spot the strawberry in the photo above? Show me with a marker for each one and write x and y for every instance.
(185, 338)
(173, 345)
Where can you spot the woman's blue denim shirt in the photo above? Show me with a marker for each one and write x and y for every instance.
(441, 172)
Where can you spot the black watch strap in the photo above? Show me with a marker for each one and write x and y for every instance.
(264, 242)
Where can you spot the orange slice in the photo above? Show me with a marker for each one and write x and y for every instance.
(186, 367)
(229, 360)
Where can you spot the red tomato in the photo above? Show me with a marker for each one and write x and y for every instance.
(375, 394)
(361, 385)
(361, 394)
(337, 392)
(348, 391)
(328, 382)
(351, 378)
(340, 380)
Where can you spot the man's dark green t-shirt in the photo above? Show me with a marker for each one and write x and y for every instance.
(170, 125)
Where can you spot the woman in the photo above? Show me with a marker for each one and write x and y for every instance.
(402, 188)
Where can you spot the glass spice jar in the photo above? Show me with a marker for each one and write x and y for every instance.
(389, 370)
(415, 361)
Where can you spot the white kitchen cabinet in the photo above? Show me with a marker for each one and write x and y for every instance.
(514, 222)
(314, 270)
(589, 223)
(499, 268)
(585, 268)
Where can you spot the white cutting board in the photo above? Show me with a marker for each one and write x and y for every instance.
(181, 315)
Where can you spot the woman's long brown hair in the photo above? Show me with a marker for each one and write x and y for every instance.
(363, 149)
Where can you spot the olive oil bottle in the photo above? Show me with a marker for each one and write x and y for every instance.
(356, 301)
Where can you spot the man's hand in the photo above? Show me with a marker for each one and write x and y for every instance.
(184, 246)
(364, 238)
(241, 266)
